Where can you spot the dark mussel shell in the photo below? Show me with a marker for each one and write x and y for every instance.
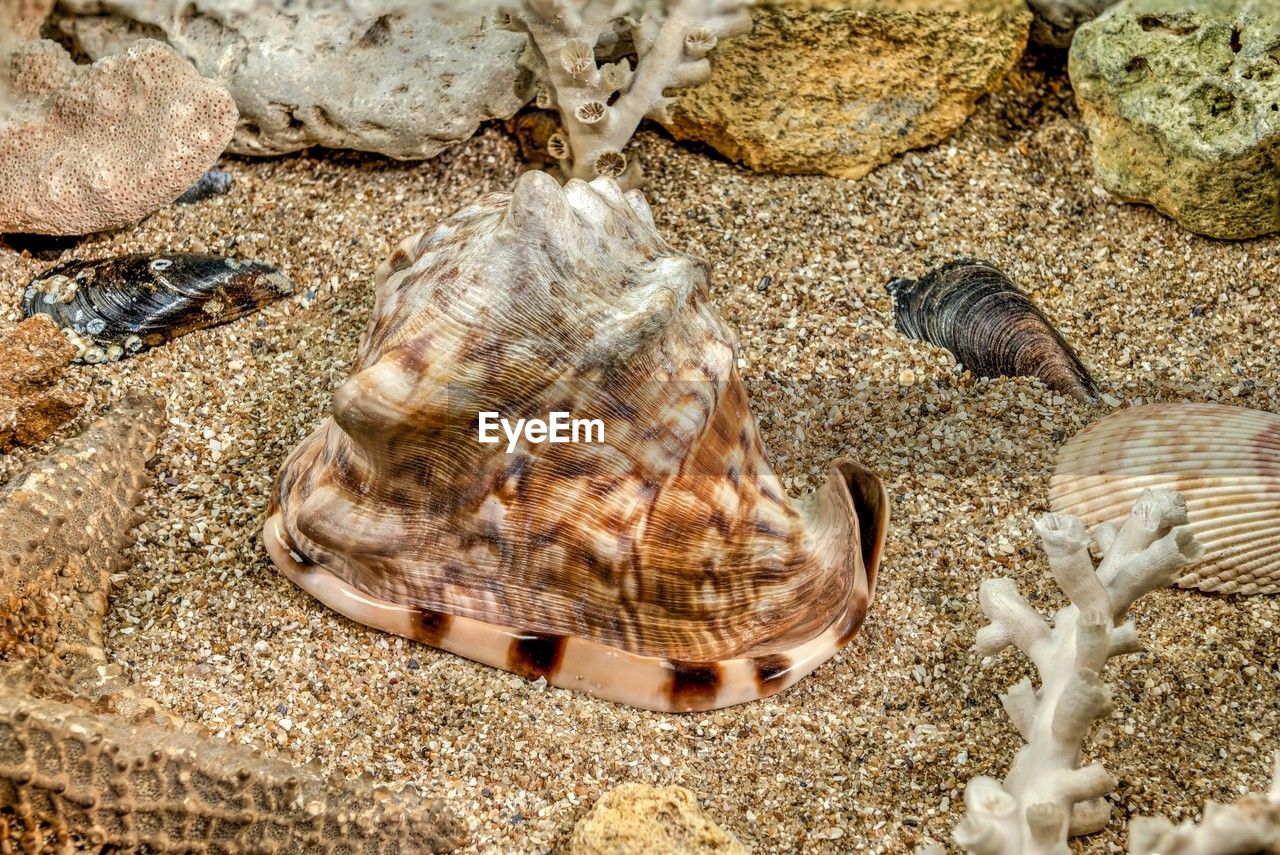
(976, 312)
(110, 308)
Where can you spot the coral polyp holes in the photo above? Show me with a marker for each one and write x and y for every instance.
(1215, 109)
(591, 112)
(1221, 102)
(610, 164)
(699, 42)
(558, 147)
(378, 34)
(578, 58)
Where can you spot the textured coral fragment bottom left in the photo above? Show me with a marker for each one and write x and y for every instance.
(68, 777)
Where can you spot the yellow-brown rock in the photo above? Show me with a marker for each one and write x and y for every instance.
(637, 818)
(32, 406)
(838, 87)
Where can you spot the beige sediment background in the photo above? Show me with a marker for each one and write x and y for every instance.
(873, 750)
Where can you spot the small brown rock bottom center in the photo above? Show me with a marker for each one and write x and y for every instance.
(663, 567)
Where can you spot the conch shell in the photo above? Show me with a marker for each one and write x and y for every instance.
(1224, 460)
(664, 567)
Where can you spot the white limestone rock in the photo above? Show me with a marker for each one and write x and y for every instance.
(403, 78)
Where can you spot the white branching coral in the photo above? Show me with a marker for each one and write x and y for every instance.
(1047, 795)
(602, 105)
(1248, 826)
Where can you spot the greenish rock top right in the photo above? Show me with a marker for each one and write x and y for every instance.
(1182, 103)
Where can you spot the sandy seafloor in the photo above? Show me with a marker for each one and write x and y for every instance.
(872, 751)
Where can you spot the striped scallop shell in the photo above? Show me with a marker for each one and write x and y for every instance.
(1224, 460)
(664, 566)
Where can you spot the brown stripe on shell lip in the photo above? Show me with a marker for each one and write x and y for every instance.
(769, 494)
(693, 685)
(770, 669)
(533, 656)
(430, 627)
(763, 527)
(400, 260)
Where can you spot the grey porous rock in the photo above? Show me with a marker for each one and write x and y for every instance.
(1182, 102)
(397, 77)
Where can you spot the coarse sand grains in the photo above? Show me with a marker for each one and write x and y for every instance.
(873, 750)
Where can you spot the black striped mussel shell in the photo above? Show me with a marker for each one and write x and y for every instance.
(975, 311)
(111, 308)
